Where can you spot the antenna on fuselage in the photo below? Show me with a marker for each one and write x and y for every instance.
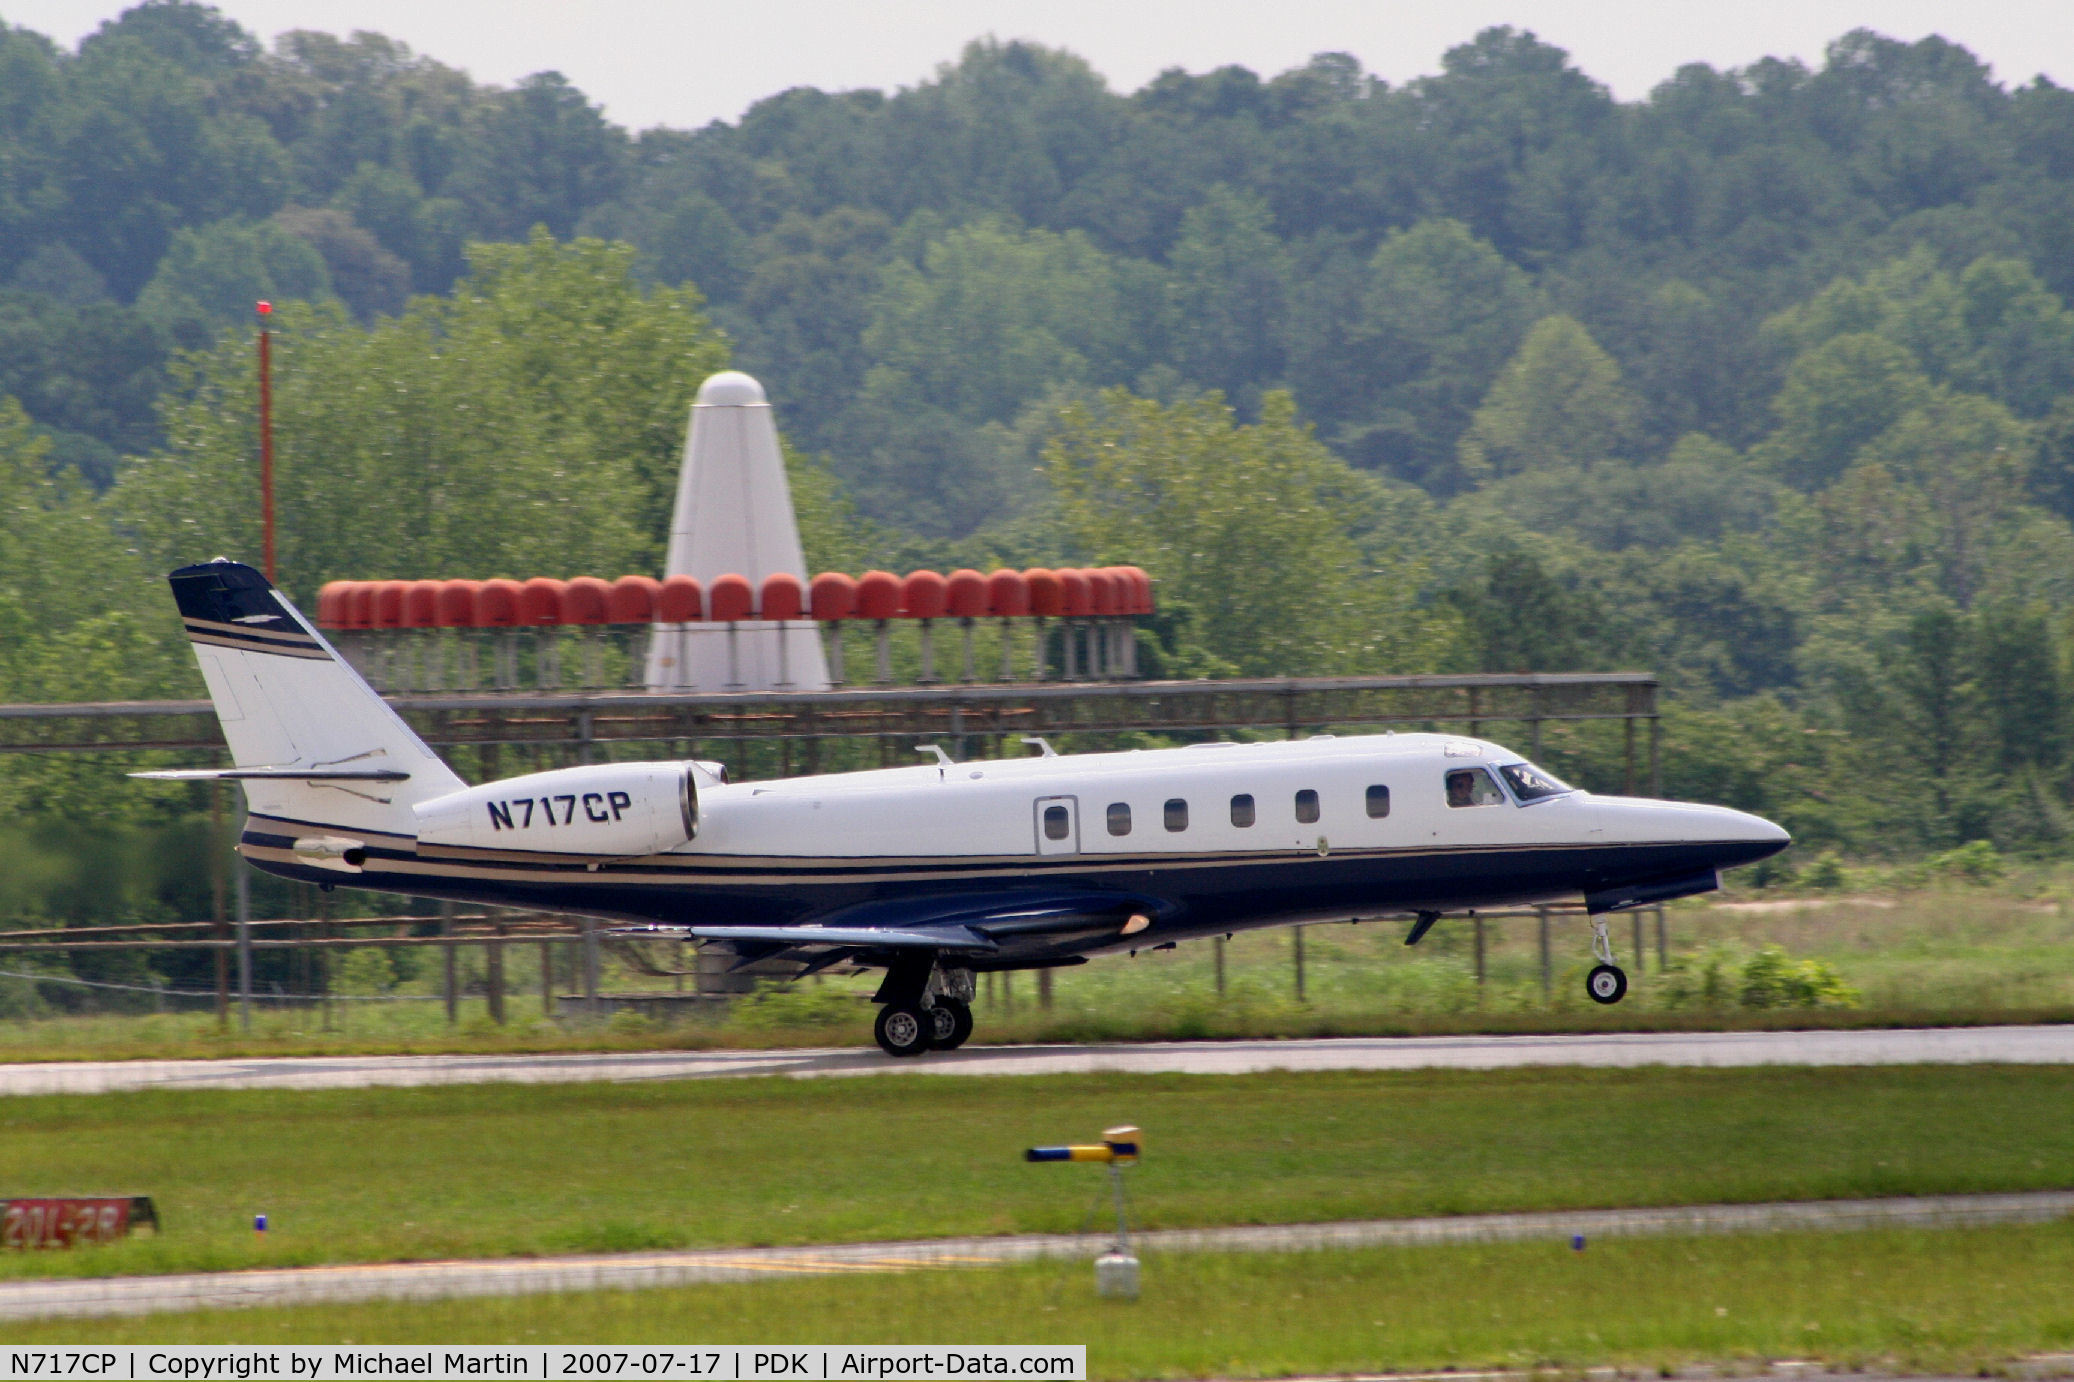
(1041, 742)
(942, 758)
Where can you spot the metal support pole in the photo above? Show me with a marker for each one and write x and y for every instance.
(1663, 957)
(547, 978)
(1296, 948)
(493, 973)
(244, 945)
(1627, 758)
(216, 852)
(1637, 916)
(1479, 953)
(590, 965)
(1547, 977)
(1656, 753)
(1217, 947)
(452, 975)
(1044, 989)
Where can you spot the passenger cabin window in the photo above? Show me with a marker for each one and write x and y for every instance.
(1056, 823)
(1242, 809)
(1378, 801)
(1306, 806)
(1472, 787)
(1177, 814)
(1119, 818)
(1529, 783)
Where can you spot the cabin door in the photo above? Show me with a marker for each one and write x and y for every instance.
(1058, 825)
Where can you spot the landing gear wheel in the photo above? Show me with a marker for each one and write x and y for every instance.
(903, 1030)
(952, 1024)
(1606, 983)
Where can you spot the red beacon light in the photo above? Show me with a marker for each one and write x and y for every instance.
(586, 600)
(782, 597)
(832, 596)
(680, 601)
(731, 600)
(1047, 592)
(878, 595)
(540, 601)
(923, 595)
(633, 600)
(965, 594)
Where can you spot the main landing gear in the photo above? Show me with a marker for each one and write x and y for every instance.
(923, 1008)
(1608, 982)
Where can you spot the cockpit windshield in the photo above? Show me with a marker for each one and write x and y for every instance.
(1530, 783)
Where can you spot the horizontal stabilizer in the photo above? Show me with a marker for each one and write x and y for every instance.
(275, 775)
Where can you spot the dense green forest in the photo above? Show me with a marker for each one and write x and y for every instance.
(1765, 382)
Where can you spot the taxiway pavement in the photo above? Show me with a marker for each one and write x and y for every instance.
(2033, 1045)
(143, 1295)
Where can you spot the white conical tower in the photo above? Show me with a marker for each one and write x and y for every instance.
(734, 515)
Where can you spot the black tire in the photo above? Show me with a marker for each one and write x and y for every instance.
(903, 1030)
(953, 1023)
(1606, 984)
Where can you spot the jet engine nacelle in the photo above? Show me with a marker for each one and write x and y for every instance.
(622, 810)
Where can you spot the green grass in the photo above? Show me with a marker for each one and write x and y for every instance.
(1933, 1300)
(1950, 955)
(499, 1169)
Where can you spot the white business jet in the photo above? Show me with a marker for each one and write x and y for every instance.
(933, 872)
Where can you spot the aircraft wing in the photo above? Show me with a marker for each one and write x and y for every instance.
(959, 938)
(971, 926)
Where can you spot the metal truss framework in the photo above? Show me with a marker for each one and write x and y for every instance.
(575, 726)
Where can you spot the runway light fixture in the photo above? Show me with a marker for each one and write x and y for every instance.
(1116, 1270)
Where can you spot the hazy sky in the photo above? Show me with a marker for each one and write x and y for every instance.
(685, 62)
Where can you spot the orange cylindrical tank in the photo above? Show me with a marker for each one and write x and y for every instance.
(731, 599)
(540, 601)
(585, 600)
(680, 601)
(632, 600)
(421, 605)
(965, 594)
(922, 595)
(457, 603)
(497, 604)
(1141, 589)
(359, 605)
(834, 596)
(388, 604)
(1008, 594)
(1047, 592)
(782, 597)
(1106, 591)
(1078, 593)
(331, 605)
(878, 595)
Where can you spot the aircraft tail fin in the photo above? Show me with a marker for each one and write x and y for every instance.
(310, 741)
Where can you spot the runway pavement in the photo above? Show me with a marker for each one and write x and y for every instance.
(143, 1295)
(2042, 1045)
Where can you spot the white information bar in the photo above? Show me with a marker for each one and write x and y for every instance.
(717, 1362)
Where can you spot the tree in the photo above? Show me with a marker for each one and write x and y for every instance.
(1519, 618)
(1228, 295)
(1838, 396)
(1559, 404)
(1441, 314)
(991, 317)
(1243, 525)
(532, 424)
(211, 277)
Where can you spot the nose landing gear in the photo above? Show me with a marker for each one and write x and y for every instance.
(1608, 982)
